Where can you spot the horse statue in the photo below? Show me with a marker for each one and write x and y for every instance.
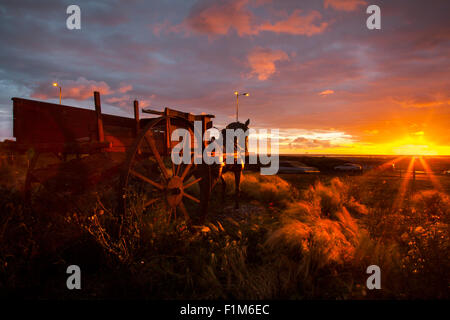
(215, 172)
(237, 166)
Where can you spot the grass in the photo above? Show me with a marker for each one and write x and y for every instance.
(291, 239)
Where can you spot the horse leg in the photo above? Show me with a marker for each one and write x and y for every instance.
(205, 192)
(224, 187)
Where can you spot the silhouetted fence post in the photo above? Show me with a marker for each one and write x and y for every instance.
(136, 115)
(98, 110)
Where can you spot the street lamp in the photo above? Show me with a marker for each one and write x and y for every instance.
(237, 102)
(55, 84)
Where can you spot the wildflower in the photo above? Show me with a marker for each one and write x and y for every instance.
(404, 236)
(213, 227)
(419, 230)
(220, 226)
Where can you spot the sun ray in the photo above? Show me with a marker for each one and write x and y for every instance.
(434, 181)
(404, 184)
(380, 170)
(388, 164)
(384, 166)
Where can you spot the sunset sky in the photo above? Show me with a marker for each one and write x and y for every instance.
(312, 68)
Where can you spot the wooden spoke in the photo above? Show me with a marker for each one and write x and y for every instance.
(186, 170)
(188, 167)
(187, 195)
(140, 176)
(187, 185)
(149, 202)
(145, 160)
(179, 166)
(184, 211)
(151, 143)
(175, 214)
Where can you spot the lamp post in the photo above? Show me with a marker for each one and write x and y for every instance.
(237, 102)
(55, 84)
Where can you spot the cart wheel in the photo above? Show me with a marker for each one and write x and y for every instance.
(152, 182)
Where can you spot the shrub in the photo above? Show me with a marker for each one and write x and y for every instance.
(317, 234)
(268, 190)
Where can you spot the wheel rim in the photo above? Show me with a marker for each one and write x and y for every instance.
(153, 181)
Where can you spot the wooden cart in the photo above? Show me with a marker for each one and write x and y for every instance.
(88, 146)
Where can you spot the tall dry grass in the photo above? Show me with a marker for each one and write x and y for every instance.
(267, 190)
(316, 244)
(321, 221)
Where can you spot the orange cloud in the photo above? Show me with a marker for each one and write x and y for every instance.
(423, 103)
(297, 24)
(262, 62)
(344, 5)
(219, 17)
(80, 89)
(424, 100)
(126, 101)
(125, 88)
(326, 92)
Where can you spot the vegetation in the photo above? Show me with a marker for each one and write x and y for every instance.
(289, 240)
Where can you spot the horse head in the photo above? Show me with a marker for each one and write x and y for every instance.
(238, 125)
